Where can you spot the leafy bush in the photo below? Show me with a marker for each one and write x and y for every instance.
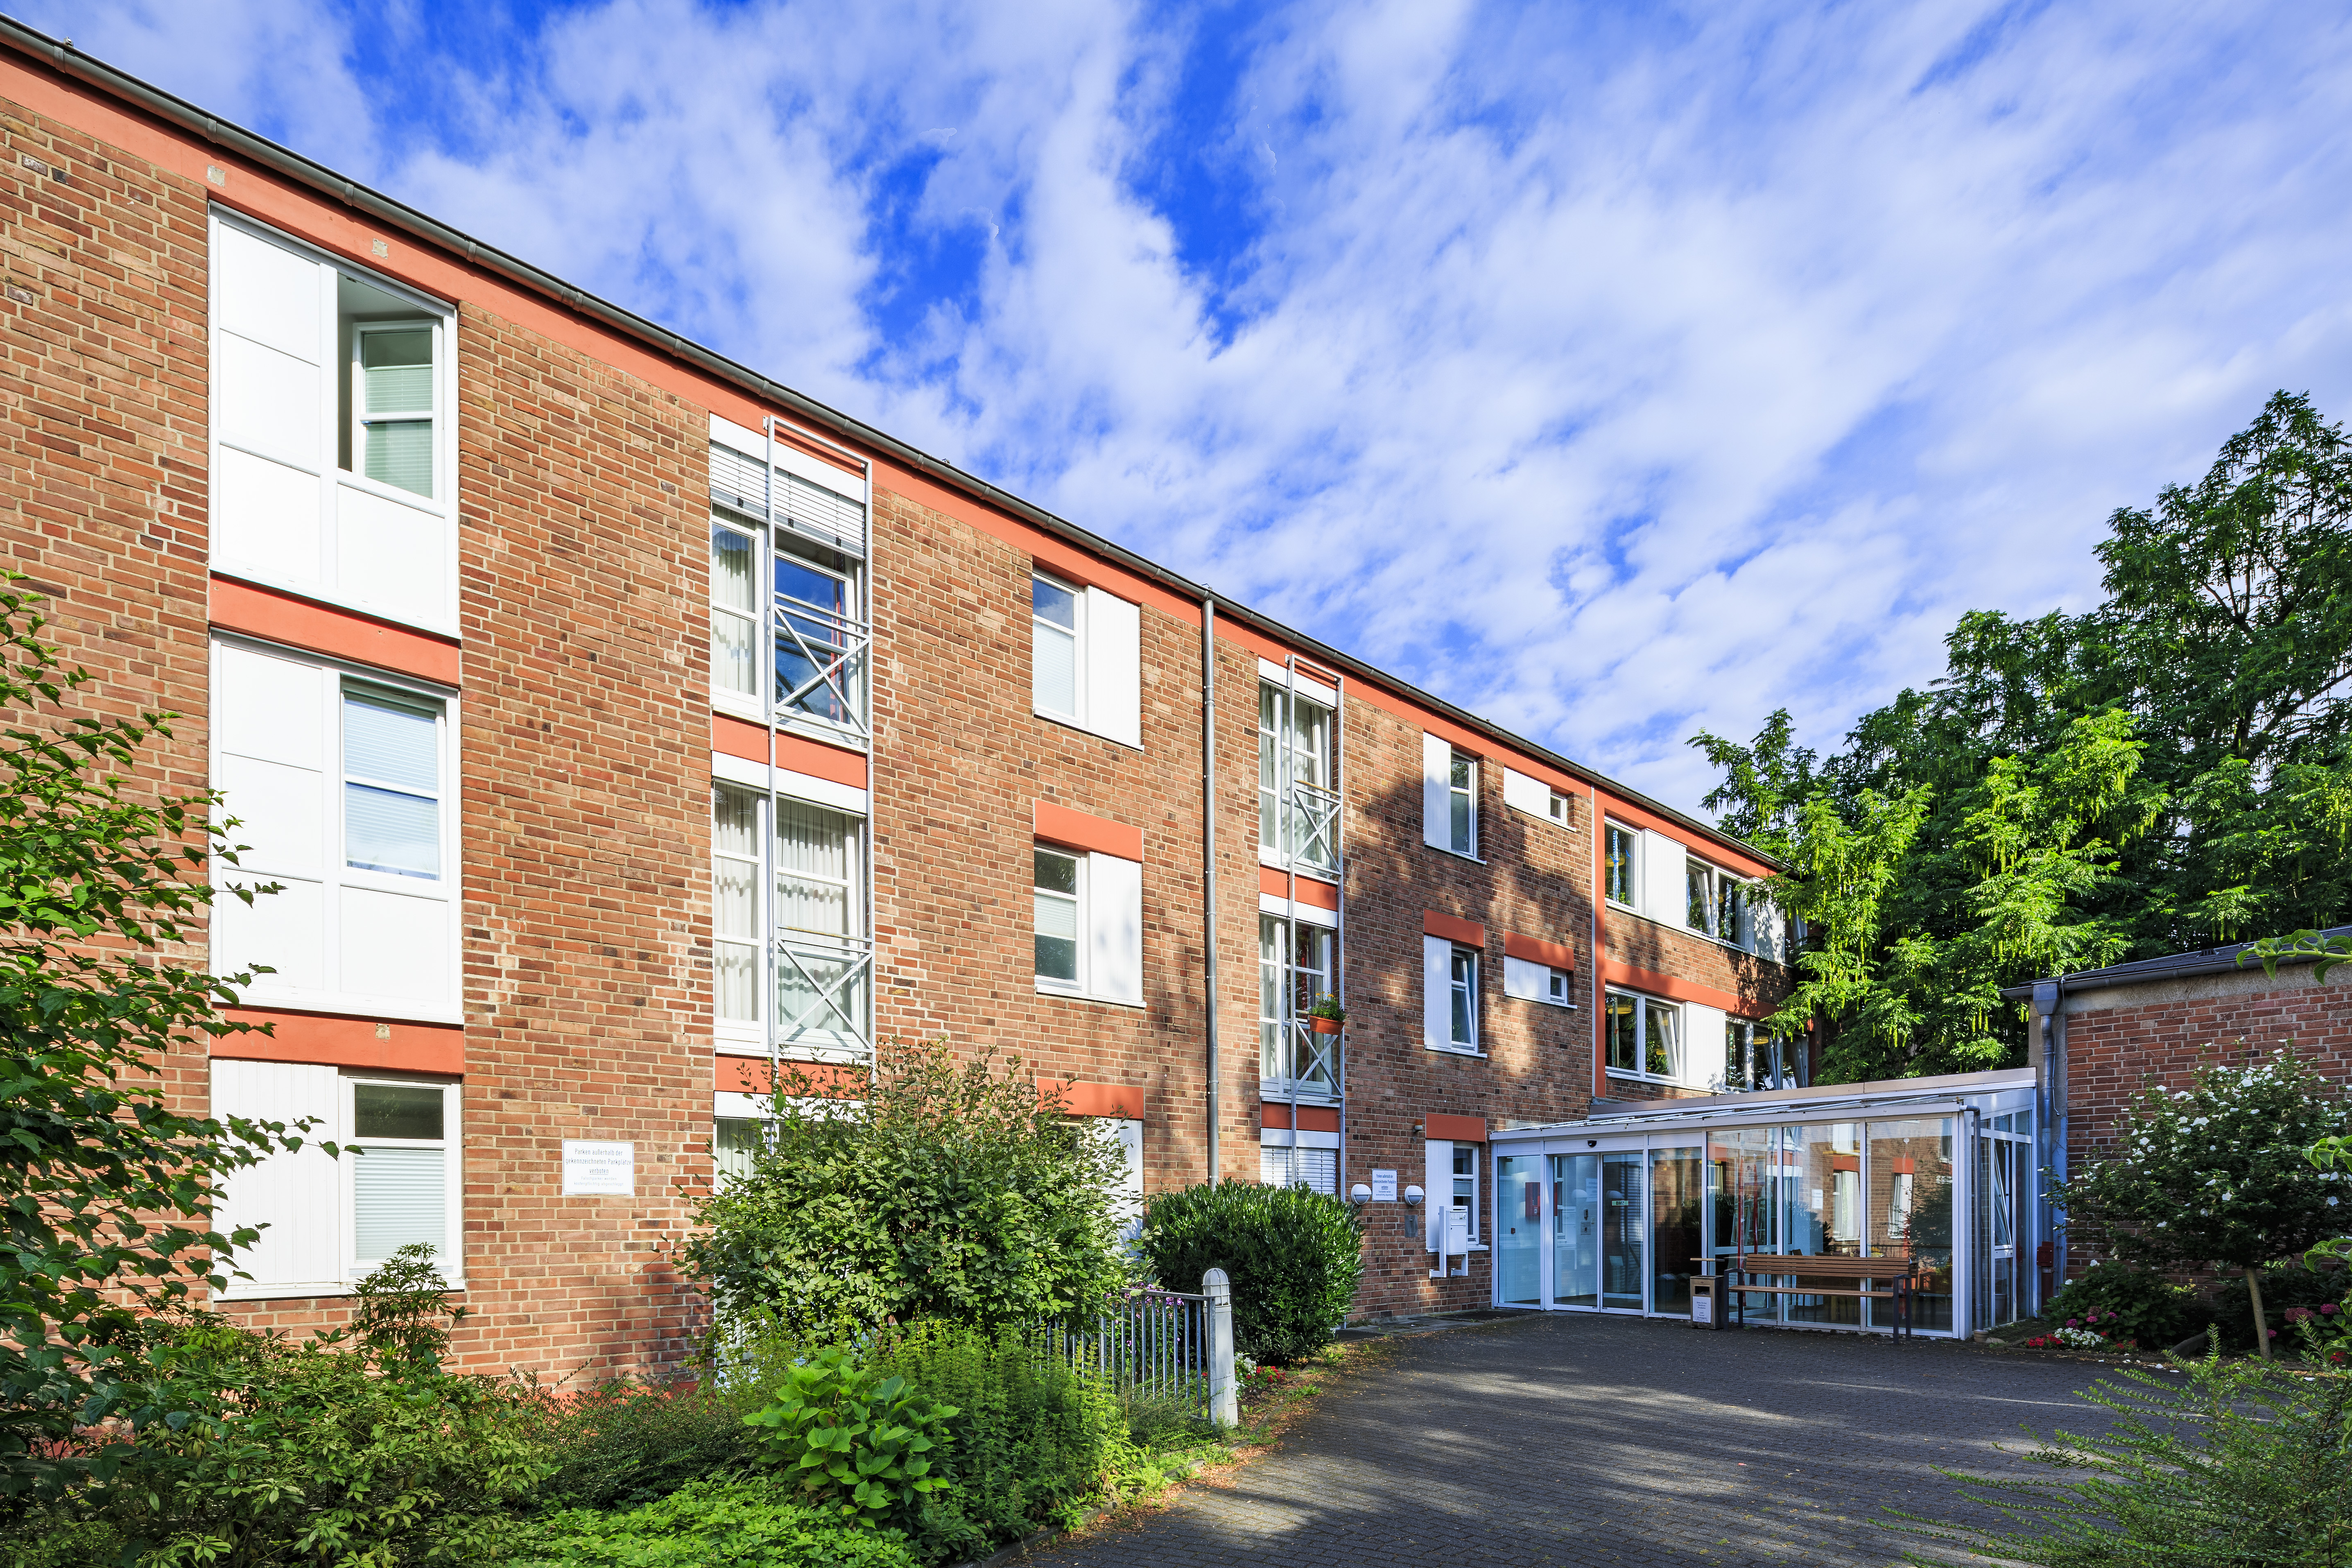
(946, 1192)
(2286, 1287)
(736, 1522)
(1294, 1258)
(2147, 1306)
(624, 1444)
(856, 1444)
(315, 1452)
(1031, 1439)
(2237, 1463)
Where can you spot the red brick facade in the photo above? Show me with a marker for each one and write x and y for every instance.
(583, 689)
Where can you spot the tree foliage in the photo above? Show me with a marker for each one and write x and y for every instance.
(960, 1192)
(104, 1188)
(2170, 769)
(1292, 1255)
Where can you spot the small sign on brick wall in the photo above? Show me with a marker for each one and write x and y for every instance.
(599, 1170)
(1383, 1186)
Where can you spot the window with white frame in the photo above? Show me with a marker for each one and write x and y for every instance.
(1537, 798)
(1533, 981)
(1622, 844)
(341, 784)
(1643, 1037)
(1298, 812)
(1087, 659)
(1449, 780)
(790, 633)
(1729, 908)
(1450, 1009)
(1464, 1193)
(1461, 999)
(789, 950)
(1755, 1058)
(1090, 924)
(735, 1145)
(332, 446)
(1288, 1164)
(331, 1221)
(1296, 970)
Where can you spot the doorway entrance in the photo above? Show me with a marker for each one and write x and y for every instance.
(1611, 1230)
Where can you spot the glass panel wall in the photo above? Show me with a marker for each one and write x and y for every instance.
(1912, 1173)
(1518, 1219)
(1623, 1228)
(2004, 1183)
(1576, 1230)
(1743, 1186)
(1820, 1185)
(1674, 1234)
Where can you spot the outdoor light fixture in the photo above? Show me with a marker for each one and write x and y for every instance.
(1413, 1197)
(1593, 1143)
(1361, 1193)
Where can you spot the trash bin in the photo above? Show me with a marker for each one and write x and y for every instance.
(1703, 1313)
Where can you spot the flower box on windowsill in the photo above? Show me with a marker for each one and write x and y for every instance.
(1324, 1026)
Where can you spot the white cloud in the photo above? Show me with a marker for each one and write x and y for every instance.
(1617, 377)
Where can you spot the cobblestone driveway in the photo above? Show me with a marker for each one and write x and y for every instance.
(1576, 1440)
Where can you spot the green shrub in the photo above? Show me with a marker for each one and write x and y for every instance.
(856, 1443)
(315, 1452)
(2284, 1286)
(2147, 1306)
(1031, 1440)
(2237, 1463)
(945, 1192)
(624, 1444)
(738, 1522)
(1294, 1258)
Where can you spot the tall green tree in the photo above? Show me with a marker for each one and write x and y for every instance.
(105, 1190)
(2170, 769)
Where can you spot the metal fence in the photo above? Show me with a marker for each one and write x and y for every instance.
(1152, 1343)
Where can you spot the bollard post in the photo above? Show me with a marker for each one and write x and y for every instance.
(1225, 1389)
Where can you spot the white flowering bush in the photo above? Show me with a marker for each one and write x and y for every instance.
(2216, 1175)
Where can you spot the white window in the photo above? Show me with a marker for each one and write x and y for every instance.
(1295, 971)
(343, 787)
(1533, 982)
(1464, 1193)
(1622, 855)
(1287, 1164)
(1643, 1037)
(789, 950)
(333, 452)
(1298, 812)
(735, 1145)
(1535, 798)
(329, 1222)
(1087, 659)
(1089, 925)
(788, 544)
(1451, 1172)
(1449, 781)
(1125, 1135)
(1449, 995)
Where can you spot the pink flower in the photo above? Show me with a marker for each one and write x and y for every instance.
(2328, 1307)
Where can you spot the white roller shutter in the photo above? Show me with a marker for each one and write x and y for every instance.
(1436, 791)
(1114, 928)
(1764, 924)
(1436, 993)
(299, 1195)
(1528, 794)
(1666, 895)
(1114, 668)
(1703, 1053)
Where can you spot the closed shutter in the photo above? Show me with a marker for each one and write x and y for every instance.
(1436, 791)
(269, 759)
(1114, 668)
(1527, 979)
(1436, 993)
(1530, 795)
(1665, 893)
(271, 415)
(1438, 1181)
(1764, 926)
(297, 1197)
(1703, 1053)
(1114, 928)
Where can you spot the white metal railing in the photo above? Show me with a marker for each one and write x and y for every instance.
(834, 991)
(833, 646)
(1310, 834)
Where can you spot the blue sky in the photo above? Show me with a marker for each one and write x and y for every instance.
(1616, 372)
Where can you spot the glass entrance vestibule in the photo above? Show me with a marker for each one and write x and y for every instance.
(1619, 1212)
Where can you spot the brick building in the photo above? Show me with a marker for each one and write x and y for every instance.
(619, 722)
(2103, 1036)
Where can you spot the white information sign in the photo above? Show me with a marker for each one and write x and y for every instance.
(599, 1170)
(1383, 1186)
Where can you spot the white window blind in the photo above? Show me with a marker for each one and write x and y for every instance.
(1437, 993)
(331, 442)
(1533, 982)
(341, 788)
(1115, 929)
(1436, 791)
(1665, 893)
(1437, 1186)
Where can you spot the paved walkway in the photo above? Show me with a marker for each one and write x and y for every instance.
(1577, 1440)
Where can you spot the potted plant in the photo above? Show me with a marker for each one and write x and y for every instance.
(1327, 1016)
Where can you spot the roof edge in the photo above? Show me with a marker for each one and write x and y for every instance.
(62, 55)
(2173, 966)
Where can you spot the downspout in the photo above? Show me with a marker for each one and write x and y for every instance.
(1209, 855)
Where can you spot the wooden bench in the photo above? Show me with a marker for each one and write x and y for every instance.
(1901, 1275)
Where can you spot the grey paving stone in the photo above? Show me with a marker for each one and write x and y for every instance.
(1570, 1440)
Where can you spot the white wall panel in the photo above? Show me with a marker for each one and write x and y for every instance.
(269, 402)
(280, 812)
(395, 946)
(1528, 794)
(286, 930)
(1436, 791)
(270, 708)
(1436, 993)
(1664, 893)
(1113, 668)
(1114, 928)
(299, 1195)
(268, 293)
(390, 557)
(265, 518)
(1703, 1045)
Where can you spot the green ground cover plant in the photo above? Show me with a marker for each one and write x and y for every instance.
(2126, 1303)
(728, 1523)
(1293, 1257)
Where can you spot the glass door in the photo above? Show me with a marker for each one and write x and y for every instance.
(1575, 1230)
(1623, 1231)
(1674, 1226)
(1519, 1217)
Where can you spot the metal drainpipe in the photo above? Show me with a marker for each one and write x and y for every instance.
(1209, 855)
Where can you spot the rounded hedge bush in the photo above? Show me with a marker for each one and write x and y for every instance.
(2148, 1307)
(1293, 1257)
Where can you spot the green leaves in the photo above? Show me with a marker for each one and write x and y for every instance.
(856, 1443)
(1294, 1258)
